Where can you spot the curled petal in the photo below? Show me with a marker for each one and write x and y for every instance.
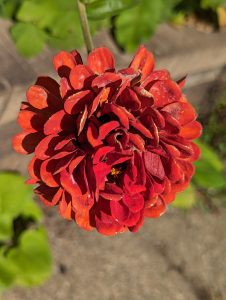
(64, 62)
(191, 130)
(76, 102)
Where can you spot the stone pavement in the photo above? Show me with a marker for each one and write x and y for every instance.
(177, 257)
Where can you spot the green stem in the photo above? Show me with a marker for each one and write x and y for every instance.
(85, 26)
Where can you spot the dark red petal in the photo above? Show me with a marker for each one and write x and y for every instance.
(106, 80)
(34, 169)
(181, 82)
(45, 148)
(26, 142)
(153, 164)
(118, 112)
(129, 99)
(141, 128)
(49, 84)
(75, 162)
(48, 195)
(143, 61)
(107, 225)
(100, 60)
(80, 77)
(76, 102)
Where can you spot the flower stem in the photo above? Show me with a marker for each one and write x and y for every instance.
(85, 26)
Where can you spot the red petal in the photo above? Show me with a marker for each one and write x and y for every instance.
(155, 75)
(106, 128)
(143, 61)
(81, 120)
(48, 195)
(80, 77)
(129, 99)
(137, 141)
(92, 135)
(46, 173)
(118, 112)
(106, 79)
(191, 130)
(37, 96)
(65, 208)
(58, 122)
(134, 202)
(64, 61)
(183, 112)
(30, 121)
(76, 102)
(101, 153)
(65, 87)
(45, 148)
(141, 128)
(25, 143)
(101, 60)
(165, 92)
(156, 210)
(99, 99)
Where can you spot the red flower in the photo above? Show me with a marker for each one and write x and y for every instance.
(110, 147)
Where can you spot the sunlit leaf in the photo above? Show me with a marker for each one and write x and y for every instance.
(29, 39)
(186, 199)
(32, 258)
(101, 9)
(209, 169)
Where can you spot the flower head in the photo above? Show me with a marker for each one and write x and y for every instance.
(110, 147)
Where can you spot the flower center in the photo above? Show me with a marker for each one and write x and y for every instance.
(115, 172)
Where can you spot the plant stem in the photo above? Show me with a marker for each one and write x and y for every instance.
(85, 26)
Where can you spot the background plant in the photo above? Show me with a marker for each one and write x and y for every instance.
(25, 257)
(56, 22)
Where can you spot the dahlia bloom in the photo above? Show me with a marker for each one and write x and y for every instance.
(110, 147)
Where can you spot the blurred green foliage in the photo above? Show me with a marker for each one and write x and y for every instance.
(56, 22)
(25, 257)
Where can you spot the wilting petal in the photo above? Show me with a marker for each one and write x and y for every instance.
(100, 60)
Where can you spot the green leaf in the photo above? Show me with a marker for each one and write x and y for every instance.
(32, 258)
(9, 7)
(136, 25)
(101, 9)
(7, 272)
(209, 169)
(29, 39)
(16, 198)
(213, 4)
(186, 199)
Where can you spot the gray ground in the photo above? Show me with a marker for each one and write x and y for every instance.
(177, 257)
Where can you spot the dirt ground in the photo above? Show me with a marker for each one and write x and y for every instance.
(180, 256)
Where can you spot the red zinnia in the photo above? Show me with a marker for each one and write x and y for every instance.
(110, 147)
